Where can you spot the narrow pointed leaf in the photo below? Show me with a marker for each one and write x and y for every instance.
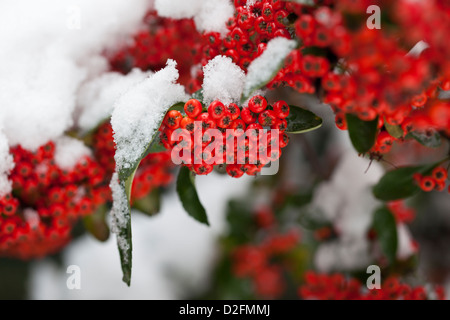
(362, 133)
(386, 230)
(188, 195)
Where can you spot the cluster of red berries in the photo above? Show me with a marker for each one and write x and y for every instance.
(155, 170)
(226, 135)
(255, 262)
(402, 213)
(248, 31)
(337, 287)
(436, 181)
(162, 39)
(36, 219)
(266, 262)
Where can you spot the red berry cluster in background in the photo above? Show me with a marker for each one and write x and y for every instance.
(248, 31)
(336, 286)
(263, 262)
(36, 219)
(436, 181)
(237, 157)
(162, 39)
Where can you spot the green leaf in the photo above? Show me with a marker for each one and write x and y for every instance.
(395, 131)
(126, 176)
(362, 133)
(386, 230)
(123, 231)
(256, 79)
(178, 106)
(96, 224)
(429, 138)
(198, 95)
(301, 120)
(304, 2)
(189, 197)
(399, 183)
(149, 205)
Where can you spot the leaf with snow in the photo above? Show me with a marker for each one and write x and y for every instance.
(136, 119)
(264, 68)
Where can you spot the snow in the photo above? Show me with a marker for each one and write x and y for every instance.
(68, 151)
(173, 254)
(347, 201)
(223, 80)
(6, 165)
(405, 247)
(213, 16)
(138, 113)
(178, 9)
(96, 97)
(210, 15)
(261, 70)
(51, 47)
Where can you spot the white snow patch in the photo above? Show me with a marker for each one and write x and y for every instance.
(210, 15)
(49, 47)
(347, 201)
(96, 98)
(223, 80)
(138, 113)
(261, 70)
(68, 151)
(213, 16)
(405, 247)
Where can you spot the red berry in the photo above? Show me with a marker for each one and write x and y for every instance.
(281, 109)
(234, 111)
(267, 118)
(427, 184)
(203, 169)
(225, 121)
(267, 11)
(440, 174)
(216, 110)
(234, 171)
(248, 116)
(193, 108)
(173, 119)
(280, 124)
(257, 104)
(187, 123)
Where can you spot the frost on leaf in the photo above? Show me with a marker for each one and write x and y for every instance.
(264, 68)
(223, 80)
(209, 16)
(139, 112)
(120, 215)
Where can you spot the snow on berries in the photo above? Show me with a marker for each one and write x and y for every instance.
(242, 139)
